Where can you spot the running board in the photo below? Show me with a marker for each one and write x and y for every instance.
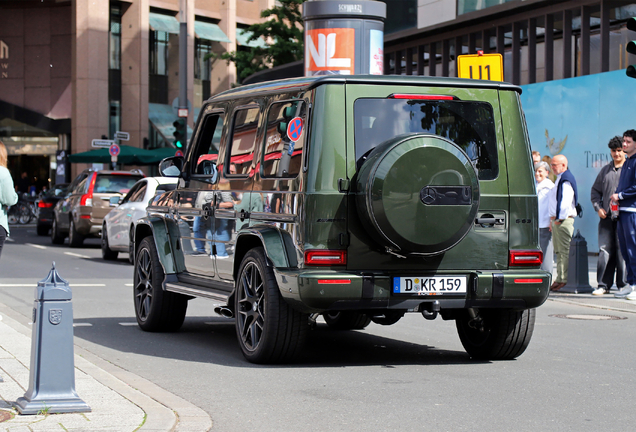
(197, 291)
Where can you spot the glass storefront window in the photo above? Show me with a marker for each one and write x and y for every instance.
(159, 52)
(114, 43)
(202, 65)
(465, 6)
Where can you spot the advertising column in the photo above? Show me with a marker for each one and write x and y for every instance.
(344, 38)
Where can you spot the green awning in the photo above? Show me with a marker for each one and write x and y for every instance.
(243, 35)
(165, 23)
(208, 31)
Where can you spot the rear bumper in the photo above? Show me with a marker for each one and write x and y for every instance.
(322, 290)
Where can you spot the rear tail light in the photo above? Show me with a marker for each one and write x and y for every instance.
(528, 281)
(87, 198)
(334, 281)
(525, 258)
(325, 257)
(45, 204)
(420, 97)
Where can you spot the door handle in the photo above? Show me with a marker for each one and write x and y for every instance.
(489, 221)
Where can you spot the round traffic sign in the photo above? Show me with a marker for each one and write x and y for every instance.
(295, 129)
(179, 153)
(114, 150)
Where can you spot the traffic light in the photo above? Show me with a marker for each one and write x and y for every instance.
(631, 48)
(180, 132)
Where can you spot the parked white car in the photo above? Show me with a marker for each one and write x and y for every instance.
(119, 223)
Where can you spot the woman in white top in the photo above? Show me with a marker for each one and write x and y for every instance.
(8, 197)
(544, 187)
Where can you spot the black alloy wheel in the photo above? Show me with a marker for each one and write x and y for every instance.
(268, 329)
(156, 310)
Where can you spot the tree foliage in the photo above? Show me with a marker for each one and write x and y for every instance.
(284, 27)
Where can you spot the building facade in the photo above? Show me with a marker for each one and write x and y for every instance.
(76, 70)
(540, 40)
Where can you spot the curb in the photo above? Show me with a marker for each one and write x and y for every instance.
(164, 411)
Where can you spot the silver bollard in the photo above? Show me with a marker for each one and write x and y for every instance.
(52, 374)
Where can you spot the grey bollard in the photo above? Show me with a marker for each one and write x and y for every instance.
(52, 374)
(578, 272)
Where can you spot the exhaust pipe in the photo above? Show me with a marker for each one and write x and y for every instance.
(224, 311)
(430, 310)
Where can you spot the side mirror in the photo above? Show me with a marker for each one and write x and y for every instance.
(171, 166)
(115, 200)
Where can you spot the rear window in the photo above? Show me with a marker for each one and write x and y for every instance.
(468, 124)
(115, 183)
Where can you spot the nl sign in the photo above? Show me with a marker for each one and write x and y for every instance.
(330, 51)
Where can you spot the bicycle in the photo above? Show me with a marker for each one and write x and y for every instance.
(22, 212)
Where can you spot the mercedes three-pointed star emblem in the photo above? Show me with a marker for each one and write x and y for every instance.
(428, 195)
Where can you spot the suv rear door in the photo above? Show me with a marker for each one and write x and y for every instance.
(468, 117)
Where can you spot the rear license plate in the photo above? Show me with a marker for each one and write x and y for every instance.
(437, 285)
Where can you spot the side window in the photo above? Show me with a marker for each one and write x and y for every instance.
(284, 139)
(240, 151)
(130, 194)
(204, 157)
(138, 196)
(81, 187)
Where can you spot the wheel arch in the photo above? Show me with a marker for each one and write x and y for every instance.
(274, 241)
(166, 245)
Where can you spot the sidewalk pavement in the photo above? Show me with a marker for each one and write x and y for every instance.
(607, 301)
(120, 401)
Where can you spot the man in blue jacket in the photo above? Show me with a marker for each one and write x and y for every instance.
(626, 197)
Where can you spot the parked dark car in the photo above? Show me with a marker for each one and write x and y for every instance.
(46, 205)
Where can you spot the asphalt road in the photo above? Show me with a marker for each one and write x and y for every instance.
(577, 374)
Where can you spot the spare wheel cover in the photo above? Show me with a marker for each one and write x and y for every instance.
(420, 193)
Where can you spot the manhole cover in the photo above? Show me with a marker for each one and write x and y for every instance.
(589, 317)
(4, 416)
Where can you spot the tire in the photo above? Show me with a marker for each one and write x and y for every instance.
(346, 320)
(268, 329)
(56, 237)
(505, 334)
(24, 214)
(131, 246)
(107, 252)
(42, 230)
(156, 310)
(75, 239)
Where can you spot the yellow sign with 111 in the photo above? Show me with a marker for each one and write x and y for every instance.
(481, 66)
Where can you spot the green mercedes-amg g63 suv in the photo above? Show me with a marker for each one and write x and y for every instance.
(360, 198)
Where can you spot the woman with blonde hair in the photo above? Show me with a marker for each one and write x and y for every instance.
(8, 197)
(544, 189)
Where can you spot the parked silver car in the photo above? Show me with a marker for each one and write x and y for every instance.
(119, 223)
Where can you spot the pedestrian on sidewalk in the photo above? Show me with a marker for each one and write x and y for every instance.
(563, 202)
(8, 197)
(625, 196)
(610, 259)
(544, 186)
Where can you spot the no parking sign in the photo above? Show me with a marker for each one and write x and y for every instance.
(295, 129)
(114, 152)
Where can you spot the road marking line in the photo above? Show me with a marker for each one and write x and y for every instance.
(34, 284)
(128, 284)
(76, 255)
(82, 325)
(10, 240)
(35, 246)
(128, 324)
